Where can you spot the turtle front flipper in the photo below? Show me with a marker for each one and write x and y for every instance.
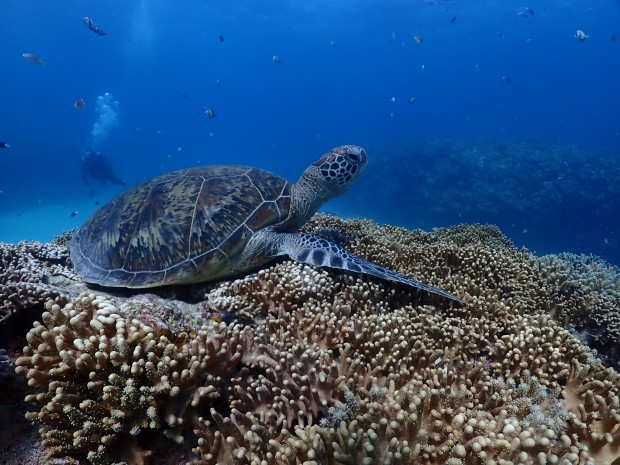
(314, 250)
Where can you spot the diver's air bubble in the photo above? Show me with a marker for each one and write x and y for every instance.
(107, 111)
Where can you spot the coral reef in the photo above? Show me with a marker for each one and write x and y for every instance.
(589, 290)
(295, 365)
(554, 173)
(26, 270)
(527, 187)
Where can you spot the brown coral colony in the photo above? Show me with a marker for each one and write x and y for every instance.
(295, 364)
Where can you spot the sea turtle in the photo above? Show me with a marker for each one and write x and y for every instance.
(213, 222)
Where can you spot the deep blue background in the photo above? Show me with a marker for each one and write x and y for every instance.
(283, 116)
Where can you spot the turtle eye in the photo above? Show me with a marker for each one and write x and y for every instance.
(354, 157)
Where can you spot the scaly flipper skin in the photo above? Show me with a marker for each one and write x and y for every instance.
(314, 250)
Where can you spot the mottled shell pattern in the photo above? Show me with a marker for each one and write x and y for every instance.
(181, 227)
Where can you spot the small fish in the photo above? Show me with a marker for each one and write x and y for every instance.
(221, 38)
(525, 14)
(210, 113)
(74, 213)
(184, 94)
(80, 104)
(4, 145)
(530, 11)
(136, 129)
(332, 43)
(613, 37)
(97, 202)
(508, 79)
(218, 82)
(276, 59)
(582, 36)
(452, 19)
(226, 317)
(417, 39)
(412, 100)
(392, 116)
(90, 25)
(393, 100)
(32, 58)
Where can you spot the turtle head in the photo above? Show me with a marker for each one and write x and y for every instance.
(328, 177)
(339, 168)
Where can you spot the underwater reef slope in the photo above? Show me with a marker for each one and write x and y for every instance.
(296, 365)
(526, 186)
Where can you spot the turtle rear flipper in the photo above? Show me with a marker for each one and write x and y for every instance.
(314, 250)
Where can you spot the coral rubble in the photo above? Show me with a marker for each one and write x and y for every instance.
(295, 365)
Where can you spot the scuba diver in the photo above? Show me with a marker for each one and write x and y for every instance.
(95, 166)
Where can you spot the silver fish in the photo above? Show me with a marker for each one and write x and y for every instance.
(582, 36)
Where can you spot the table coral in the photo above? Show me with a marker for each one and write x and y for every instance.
(323, 367)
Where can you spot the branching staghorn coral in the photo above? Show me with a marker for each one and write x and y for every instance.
(319, 366)
(587, 292)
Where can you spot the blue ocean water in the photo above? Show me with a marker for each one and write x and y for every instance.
(514, 119)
